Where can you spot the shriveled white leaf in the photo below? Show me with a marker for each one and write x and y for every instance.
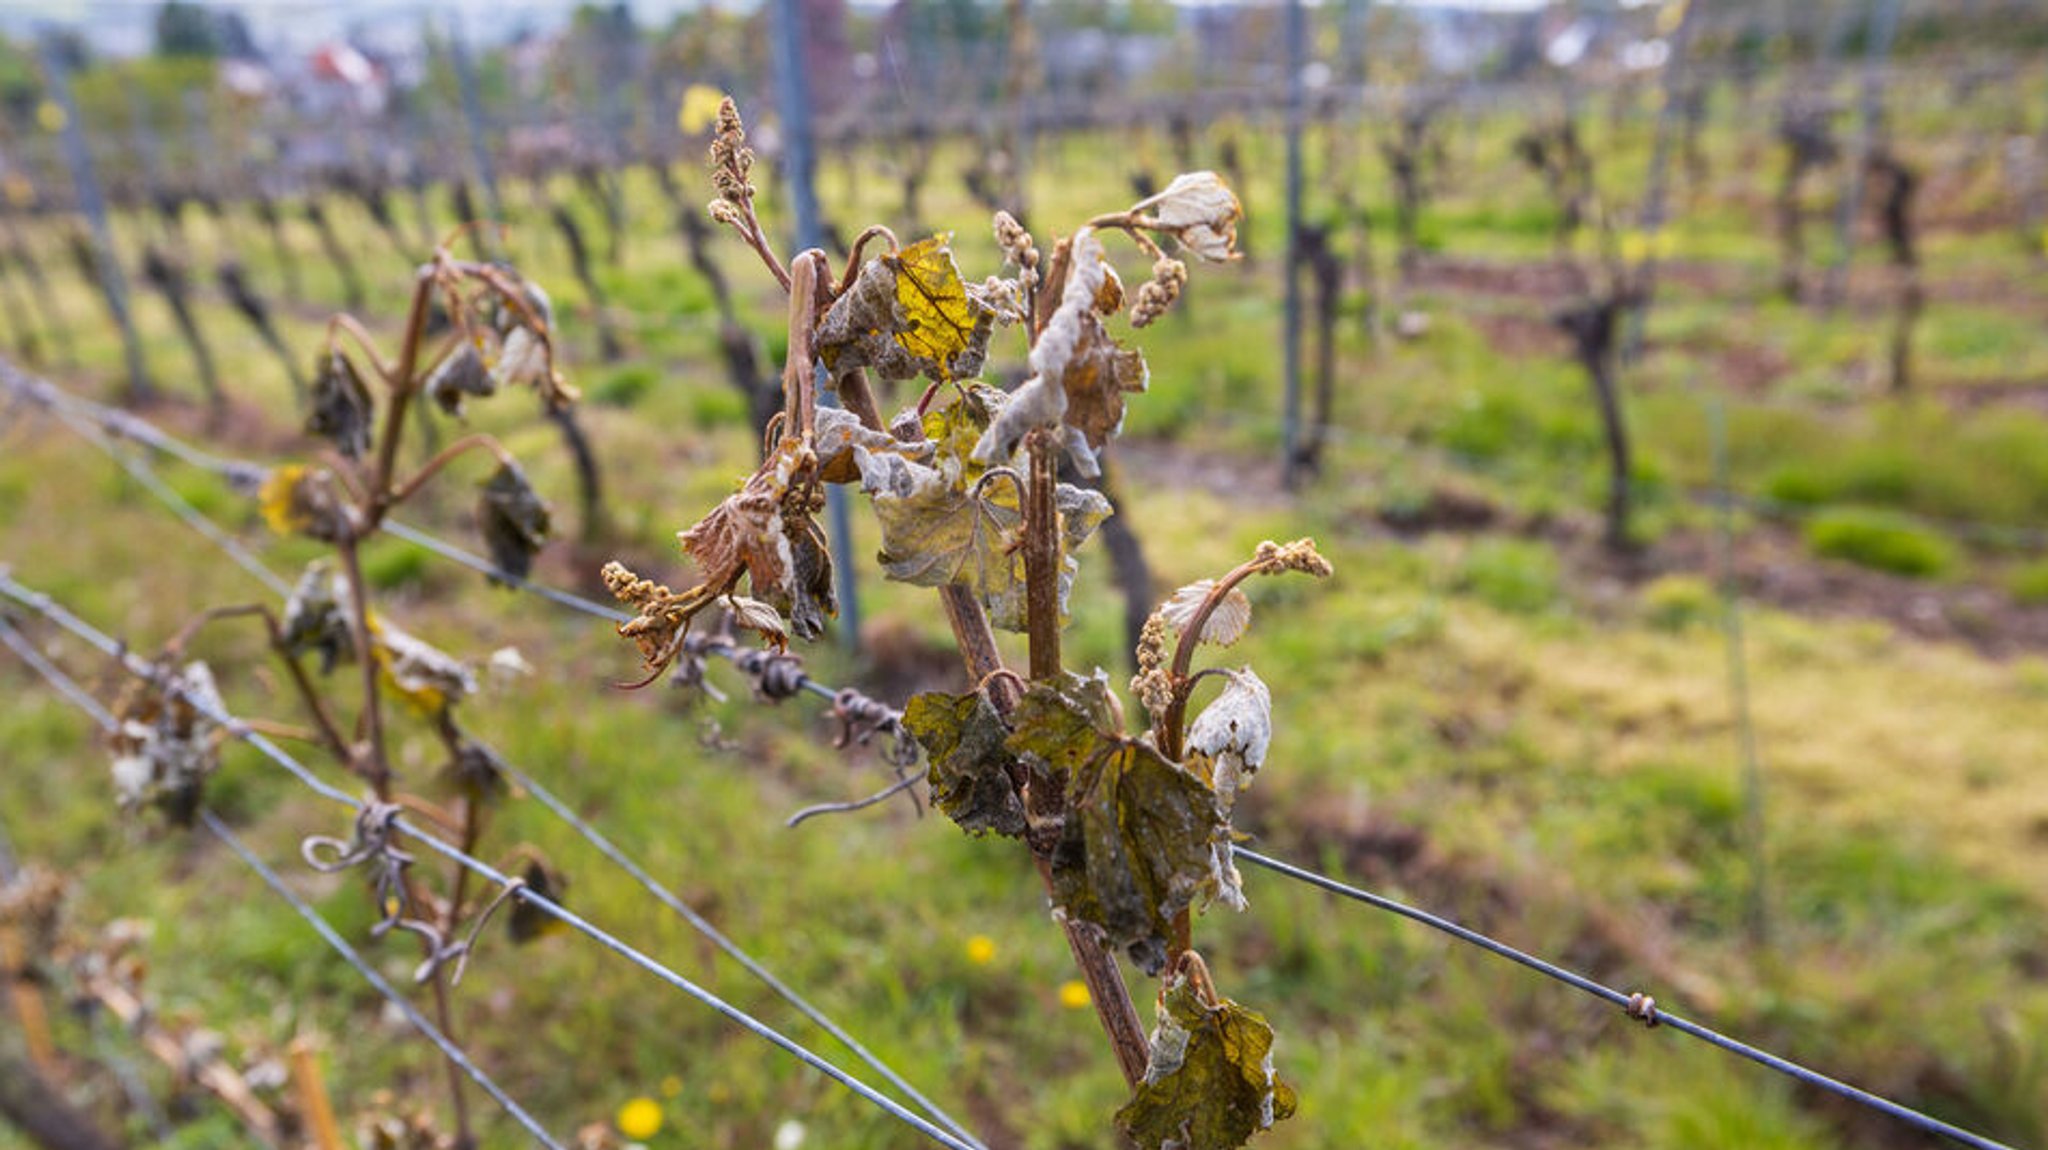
(1233, 733)
(758, 617)
(1226, 624)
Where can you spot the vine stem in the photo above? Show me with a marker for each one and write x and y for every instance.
(1106, 989)
(1041, 548)
(984, 661)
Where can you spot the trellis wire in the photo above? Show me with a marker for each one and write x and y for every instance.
(350, 955)
(55, 612)
(199, 522)
(1640, 1007)
(72, 692)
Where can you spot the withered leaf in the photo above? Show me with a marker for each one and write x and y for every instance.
(1079, 372)
(1226, 624)
(299, 500)
(1210, 1083)
(527, 922)
(476, 773)
(1139, 842)
(166, 744)
(513, 520)
(313, 617)
(936, 533)
(809, 598)
(908, 314)
(838, 431)
(1226, 745)
(758, 617)
(462, 375)
(342, 411)
(1227, 742)
(429, 679)
(962, 737)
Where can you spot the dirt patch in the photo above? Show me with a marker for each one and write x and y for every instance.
(1521, 334)
(1773, 567)
(1550, 280)
(2026, 394)
(1168, 465)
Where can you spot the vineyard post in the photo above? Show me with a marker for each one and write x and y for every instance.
(799, 168)
(1651, 224)
(1884, 24)
(1757, 911)
(40, 294)
(474, 129)
(78, 158)
(1294, 465)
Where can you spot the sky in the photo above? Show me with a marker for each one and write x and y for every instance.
(123, 27)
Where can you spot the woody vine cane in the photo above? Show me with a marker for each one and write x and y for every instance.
(498, 334)
(1129, 832)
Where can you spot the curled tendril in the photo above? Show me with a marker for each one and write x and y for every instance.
(374, 844)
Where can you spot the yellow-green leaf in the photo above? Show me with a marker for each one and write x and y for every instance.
(962, 736)
(1210, 1084)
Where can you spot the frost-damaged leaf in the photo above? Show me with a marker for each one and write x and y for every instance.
(908, 314)
(166, 743)
(341, 406)
(1227, 623)
(963, 736)
(460, 376)
(298, 500)
(1210, 1084)
(943, 321)
(766, 531)
(838, 431)
(1079, 372)
(935, 533)
(1226, 746)
(313, 619)
(1141, 833)
(429, 679)
(1227, 742)
(758, 617)
(476, 773)
(527, 922)
(1200, 211)
(513, 519)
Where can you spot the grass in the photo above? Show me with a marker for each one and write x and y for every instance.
(1561, 750)
(1880, 542)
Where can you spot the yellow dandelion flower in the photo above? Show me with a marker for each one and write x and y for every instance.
(640, 1118)
(671, 1086)
(981, 950)
(1074, 994)
(50, 116)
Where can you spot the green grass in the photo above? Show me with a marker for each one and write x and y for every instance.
(1561, 746)
(1880, 542)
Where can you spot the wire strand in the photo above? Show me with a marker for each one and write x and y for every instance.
(1638, 1006)
(355, 959)
(197, 520)
(70, 689)
(255, 567)
(58, 614)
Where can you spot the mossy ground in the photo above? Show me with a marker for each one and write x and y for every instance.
(1462, 718)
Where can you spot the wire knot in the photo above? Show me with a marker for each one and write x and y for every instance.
(777, 675)
(1643, 1009)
